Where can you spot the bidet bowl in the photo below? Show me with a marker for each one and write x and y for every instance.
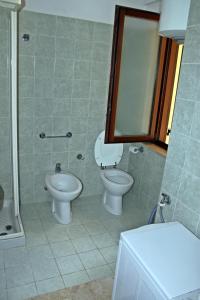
(63, 187)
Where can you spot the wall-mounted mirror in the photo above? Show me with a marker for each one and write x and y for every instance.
(143, 69)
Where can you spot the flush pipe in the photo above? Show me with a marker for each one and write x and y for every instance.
(165, 200)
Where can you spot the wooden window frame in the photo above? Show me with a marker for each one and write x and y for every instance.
(167, 89)
(168, 51)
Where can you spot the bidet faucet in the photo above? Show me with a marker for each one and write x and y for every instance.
(58, 168)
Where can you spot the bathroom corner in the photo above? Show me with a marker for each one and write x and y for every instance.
(147, 169)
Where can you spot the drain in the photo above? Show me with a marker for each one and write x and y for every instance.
(3, 233)
(8, 227)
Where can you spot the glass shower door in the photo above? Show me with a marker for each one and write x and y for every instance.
(6, 176)
(11, 229)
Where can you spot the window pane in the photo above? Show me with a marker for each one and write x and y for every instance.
(137, 76)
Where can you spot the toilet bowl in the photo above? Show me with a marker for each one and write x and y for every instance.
(63, 188)
(116, 182)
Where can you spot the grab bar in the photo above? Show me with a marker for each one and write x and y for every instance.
(42, 135)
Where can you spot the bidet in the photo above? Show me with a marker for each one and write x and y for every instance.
(63, 188)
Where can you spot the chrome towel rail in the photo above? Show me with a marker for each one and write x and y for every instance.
(42, 135)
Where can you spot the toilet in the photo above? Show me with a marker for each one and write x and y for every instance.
(63, 188)
(116, 182)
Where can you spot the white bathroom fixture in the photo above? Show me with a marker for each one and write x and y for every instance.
(116, 181)
(63, 188)
(174, 17)
(158, 262)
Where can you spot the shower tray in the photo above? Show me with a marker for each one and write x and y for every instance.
(11, 229)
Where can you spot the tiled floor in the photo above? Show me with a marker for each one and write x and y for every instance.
(58, 256)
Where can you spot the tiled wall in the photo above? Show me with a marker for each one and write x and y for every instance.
(147, 170)
(63, 82)
(5, 117)
(182, 171)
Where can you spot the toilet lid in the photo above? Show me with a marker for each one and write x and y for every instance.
(107, 154)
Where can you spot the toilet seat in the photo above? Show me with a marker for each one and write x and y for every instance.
(107, 154)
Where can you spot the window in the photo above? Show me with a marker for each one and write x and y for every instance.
(166, 92)
(176, 63)
(143, 79)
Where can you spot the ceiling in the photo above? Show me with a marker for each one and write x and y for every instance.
(93, 10)
(148, 2)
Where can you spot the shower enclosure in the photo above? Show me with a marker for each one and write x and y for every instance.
(11, 229)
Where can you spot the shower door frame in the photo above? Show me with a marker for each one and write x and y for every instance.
(14, 109)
